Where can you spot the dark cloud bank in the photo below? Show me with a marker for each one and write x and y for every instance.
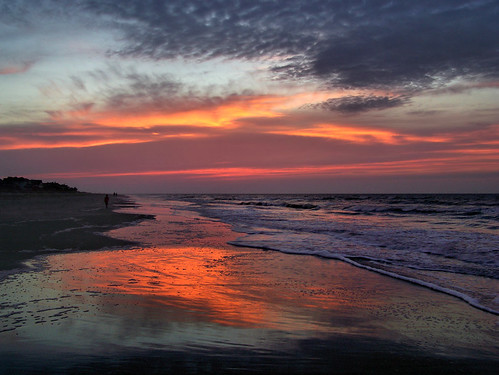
(408, 45)
(402, 46)
(355, 104)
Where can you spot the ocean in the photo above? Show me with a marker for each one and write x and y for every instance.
(446, 242)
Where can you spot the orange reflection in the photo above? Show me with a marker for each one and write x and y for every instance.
(221, 286)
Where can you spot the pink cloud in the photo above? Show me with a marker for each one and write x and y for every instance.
(16, 69)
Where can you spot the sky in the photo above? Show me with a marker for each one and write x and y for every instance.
(294, 96)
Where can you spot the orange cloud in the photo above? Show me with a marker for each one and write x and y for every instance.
(223, 115)
(359, 134)
(110, 126)
(65, 144)
(436, 165)
(47, 136)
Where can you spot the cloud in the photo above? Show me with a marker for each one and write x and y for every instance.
(137, 86)
(411, 45)
(411, 167)
(218, 112)
(208, 29)
(16, 68)
(236, 155)
(355, 104)
(77, 110)
(117, 87)
(127, 90)
(404, 44)
(143, 91)
(464, 88)
(68, 134)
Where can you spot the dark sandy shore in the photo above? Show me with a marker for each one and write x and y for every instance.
(186, 302)
(33, 224)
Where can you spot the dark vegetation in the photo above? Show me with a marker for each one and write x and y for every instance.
(21, 184)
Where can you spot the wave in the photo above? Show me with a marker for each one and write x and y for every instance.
(432, 244)
(351, 260)
(299, 206)
(369, 209)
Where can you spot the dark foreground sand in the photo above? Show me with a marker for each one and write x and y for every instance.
(32, 224)
(185, 302)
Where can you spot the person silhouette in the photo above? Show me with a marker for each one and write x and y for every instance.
(106, 200)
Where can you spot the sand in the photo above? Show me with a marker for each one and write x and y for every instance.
(32, 224)
(187, 302)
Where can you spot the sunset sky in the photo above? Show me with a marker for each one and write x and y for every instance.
(251, 96)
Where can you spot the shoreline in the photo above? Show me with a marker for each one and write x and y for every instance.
(34, 224)
(430, 286)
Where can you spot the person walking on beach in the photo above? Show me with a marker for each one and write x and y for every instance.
(106, 200)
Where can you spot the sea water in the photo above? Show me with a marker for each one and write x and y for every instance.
(449, 243)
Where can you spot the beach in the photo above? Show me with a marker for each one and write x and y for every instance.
(34, 224)
(169, 294)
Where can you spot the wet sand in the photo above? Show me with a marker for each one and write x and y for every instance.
(186, 302)
(33, 224)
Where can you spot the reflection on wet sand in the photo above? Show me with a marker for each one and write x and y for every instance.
(210, 285)
(179, 297)
(208, 297)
